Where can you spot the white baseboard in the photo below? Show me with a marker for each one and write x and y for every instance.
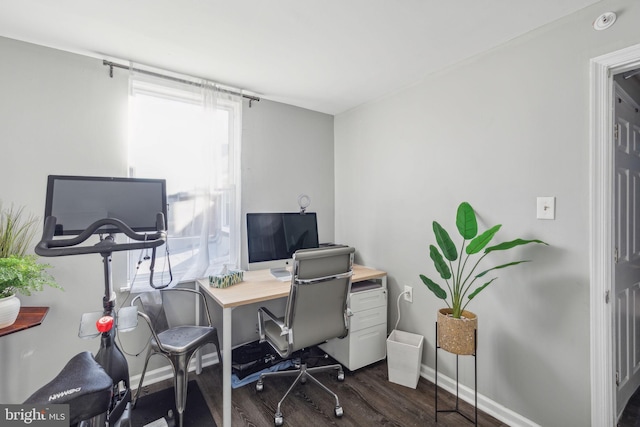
(166, 372)
(485, 404)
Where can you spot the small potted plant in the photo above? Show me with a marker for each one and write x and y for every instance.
(457, 326)
(19, 271)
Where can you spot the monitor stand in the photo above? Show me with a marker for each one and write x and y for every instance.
(280, 273)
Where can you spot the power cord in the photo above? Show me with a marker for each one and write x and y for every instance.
(118, 335)
(398, 304)
(133, 354)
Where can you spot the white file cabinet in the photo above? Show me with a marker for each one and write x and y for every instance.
(366, 341)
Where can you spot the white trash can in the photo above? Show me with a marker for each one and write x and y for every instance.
(404, 357)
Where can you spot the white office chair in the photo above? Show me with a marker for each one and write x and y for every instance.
(177, 344)
(316, 312)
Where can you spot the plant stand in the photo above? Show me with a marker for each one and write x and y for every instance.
(475, 385)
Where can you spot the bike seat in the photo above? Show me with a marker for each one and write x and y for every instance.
(82, 384)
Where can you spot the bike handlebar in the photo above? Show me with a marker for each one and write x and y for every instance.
(50, 247)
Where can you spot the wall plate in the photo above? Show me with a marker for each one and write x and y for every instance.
(546, 208)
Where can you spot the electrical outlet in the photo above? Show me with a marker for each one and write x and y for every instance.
(408, 295)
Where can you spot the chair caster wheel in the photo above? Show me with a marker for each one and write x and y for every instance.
(259, 386)
(339, 412)
(341, 376)
(278, 420)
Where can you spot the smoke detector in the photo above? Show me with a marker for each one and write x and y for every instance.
(604, 21)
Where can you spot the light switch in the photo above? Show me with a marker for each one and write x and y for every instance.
(546, 208)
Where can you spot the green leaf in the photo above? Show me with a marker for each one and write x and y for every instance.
(16, 231)
(501, 266)
(482, 240)
(466, 221)
(477, 291)
(434, 287)
(439, 262)
(444, 241)
(512, 244)
(24, 275)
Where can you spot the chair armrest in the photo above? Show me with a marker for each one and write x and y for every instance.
(348, 314)
(263, 311)
(154, 335)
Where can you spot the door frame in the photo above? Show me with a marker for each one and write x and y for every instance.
(603, 68)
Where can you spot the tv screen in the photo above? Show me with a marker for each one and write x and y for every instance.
(79, 201)
(276, 236)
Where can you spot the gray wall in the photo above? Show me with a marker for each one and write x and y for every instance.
(60, 113)
(497, 130)
(285, 153)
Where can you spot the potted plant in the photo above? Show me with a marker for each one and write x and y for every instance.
(457, 326)
(19, 272)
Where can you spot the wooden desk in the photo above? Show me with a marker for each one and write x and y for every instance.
(257, 286)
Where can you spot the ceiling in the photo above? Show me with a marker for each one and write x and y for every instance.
(324, 55)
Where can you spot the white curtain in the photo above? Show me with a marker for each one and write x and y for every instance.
(188, 134)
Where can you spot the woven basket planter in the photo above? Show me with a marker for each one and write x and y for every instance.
(457, 335)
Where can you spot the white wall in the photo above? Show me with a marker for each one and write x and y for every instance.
(497, 131)
(60, 113)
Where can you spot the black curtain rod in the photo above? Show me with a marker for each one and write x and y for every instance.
(113, 65)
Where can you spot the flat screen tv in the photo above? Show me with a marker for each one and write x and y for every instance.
(276, 236)
(79, 201)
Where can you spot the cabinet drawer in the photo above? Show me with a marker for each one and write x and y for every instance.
(366, 318)
(359, 348)
(365, 300)
(369, 345)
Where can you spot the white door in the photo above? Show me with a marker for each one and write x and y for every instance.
(627, 246)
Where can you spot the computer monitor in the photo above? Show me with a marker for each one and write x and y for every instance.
(79, 201)
(273, 238)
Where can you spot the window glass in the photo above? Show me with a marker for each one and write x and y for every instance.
(179, 135)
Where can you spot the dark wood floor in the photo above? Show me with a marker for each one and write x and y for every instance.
(631, 414)
(367, 397)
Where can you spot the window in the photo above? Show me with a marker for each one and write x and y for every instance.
(188, 134)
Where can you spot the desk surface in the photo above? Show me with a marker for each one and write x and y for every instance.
(260, 285)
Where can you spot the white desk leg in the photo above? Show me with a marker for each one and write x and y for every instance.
(226, 366)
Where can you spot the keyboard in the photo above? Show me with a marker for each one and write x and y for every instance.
(281, 274)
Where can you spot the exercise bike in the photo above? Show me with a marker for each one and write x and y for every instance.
(97, 389)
